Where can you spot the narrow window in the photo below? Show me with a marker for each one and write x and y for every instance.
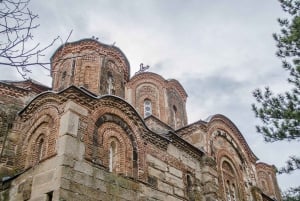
(228, 194)
(233, 192)
(110, 86)
(40, 149)
(264, 186)
(230, 181)
(189, 188)
(175, 116)
(64, 74)
(112, 157)
(50, 196)
(73, 66)
(39, 153)
(147, 108)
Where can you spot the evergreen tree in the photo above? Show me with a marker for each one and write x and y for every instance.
(280, 113)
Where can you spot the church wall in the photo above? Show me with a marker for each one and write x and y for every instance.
(168, 173)
(36, 184)
(76, 144)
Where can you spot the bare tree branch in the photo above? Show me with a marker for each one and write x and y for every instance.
(17, 22)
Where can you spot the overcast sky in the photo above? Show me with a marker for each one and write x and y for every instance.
(220, 51)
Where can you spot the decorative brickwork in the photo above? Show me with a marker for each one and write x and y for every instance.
(100, 135)
(266, 175)
(38, 137)
(167, 98)
(100, 68)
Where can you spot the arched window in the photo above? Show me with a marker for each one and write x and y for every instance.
(73, 67)
(174, 110)
(40, 148)
(147, 108)
(88, 76)
(113, 157)
(229, 181)
(110, 84)
(189, 188)
(64, 75)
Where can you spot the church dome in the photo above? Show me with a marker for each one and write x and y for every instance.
(100, 68)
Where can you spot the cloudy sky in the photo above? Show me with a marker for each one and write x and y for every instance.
(219, 50)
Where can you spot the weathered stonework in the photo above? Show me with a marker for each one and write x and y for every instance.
(97, 137)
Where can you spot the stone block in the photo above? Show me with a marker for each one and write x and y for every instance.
(178, 191)
(174, 180)
(158, 164)
(76, 108)
(176, 172)
(69, 124)
(43, 197)
(174, 151)
(99, 174)
(70, 146)
(157, 173)
(66, 160)
(43, 178)
(84, 168)
(172, 198)
(165, 187)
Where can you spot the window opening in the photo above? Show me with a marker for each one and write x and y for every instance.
(64, 74)
(229, 178)
(189, 188)
(110, 87)
(39, 150)
(112, 157)
(50, 196)
(73, 66)
(175, 116)
(147, 108)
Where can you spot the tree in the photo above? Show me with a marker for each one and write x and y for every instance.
(292, 195)
(280, 113)
(16, 40)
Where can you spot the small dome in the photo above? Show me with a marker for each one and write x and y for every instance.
(100, 68)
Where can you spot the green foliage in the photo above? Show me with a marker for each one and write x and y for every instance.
(292, 194)
(280, 113)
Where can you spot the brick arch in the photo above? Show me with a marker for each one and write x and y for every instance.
(219, 132)
(225, 156)
(264, 182)
(43, 123)
(221, 122)
(153, 97)
(149, 89)
(111, 70)
(127, 164)
(38, 147)
(97, 143)
(177, 118)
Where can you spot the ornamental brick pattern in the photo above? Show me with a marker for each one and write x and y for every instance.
(90, 139)
(167, 97)
(92, 65)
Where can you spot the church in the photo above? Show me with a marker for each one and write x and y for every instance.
(101, 134)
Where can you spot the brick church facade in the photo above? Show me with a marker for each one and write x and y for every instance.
(100, 134)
